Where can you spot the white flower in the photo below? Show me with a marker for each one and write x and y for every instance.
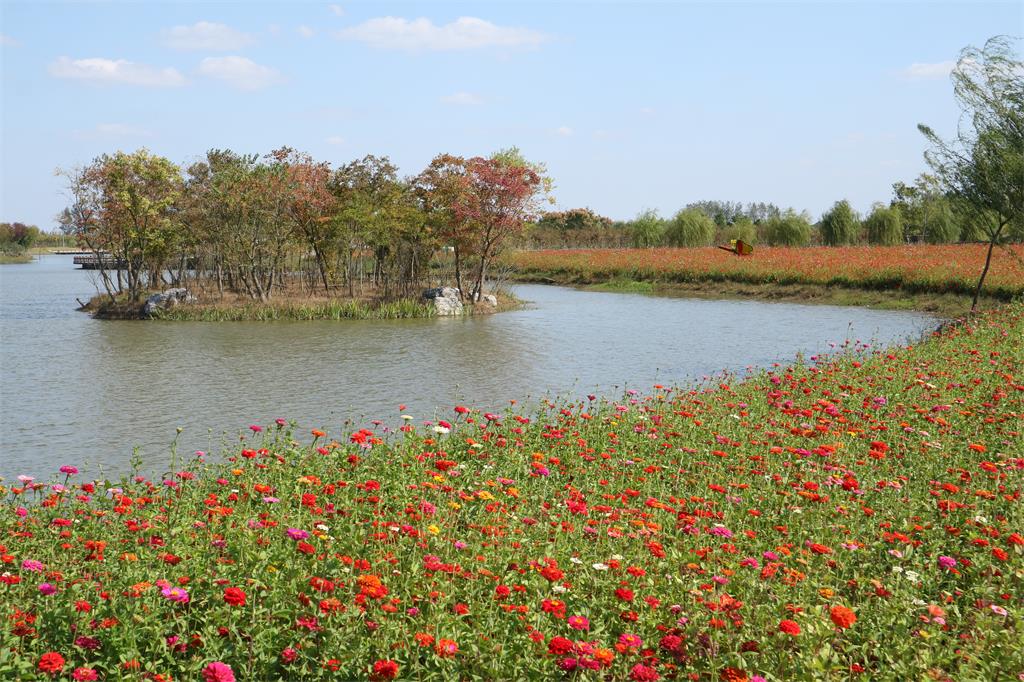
(407, 417)
(441, 429)
(600, 567)
(576, 560)
(559, 589)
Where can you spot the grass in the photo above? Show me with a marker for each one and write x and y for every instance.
(855, 518)
(12, 259)
(327, 310)
(294, 308)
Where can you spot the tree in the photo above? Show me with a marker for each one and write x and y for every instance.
(884, 226)
(840, 225)
(441, 189)
(690, 227)
(646, 229)
(124, 205)
(983, 164)
(503, 195)
(310, 204)
(788, 229)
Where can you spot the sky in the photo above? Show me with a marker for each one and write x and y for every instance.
(629, 105)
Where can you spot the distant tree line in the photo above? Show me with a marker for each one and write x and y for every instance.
(16, 238)
(255, 226)
(920, 212)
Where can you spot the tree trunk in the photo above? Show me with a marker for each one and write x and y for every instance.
(458, 273)
(993, 238)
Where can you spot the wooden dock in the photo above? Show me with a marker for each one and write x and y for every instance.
(103, 261)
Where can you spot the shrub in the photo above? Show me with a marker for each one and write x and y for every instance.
(884, 226)
(690, 227)
(840, 225)
(743, 229)
(647, 229)
(789, 229)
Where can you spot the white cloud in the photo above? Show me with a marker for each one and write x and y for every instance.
(462, 99)
(929, 71)
(204, 35)
(306, 31)
(335, 139)
(239, 72)
(337, 10)
(8, 41)
(98, 70)
(564, 131)
(465, 33)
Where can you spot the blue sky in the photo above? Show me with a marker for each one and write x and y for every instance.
(630, 105)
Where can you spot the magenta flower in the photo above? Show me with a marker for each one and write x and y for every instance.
(947, 562)
(255, 429)
(69, 470)
(297, 533)
(218, 672)
(47, 589)
(176, 594)
(33, 565)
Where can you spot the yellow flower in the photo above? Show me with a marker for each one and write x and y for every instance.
(434, 530)
(484, 495)
(455, 505)
(237, 472)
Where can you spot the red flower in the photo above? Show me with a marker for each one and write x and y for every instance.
(790, 627)
(51, 662)
(560, 646)
(842, 617)
(643, 673)
(385, 670)
(446, 648)
(234, 596)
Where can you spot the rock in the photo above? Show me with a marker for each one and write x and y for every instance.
(490, 299)
(167, 299)
(446, 300)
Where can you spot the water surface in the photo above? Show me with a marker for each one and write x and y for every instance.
(83, 391)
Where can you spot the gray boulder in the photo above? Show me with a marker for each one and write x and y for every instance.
(446, 300)
(167, 299)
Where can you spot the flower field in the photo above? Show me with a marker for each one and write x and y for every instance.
(859, 517)
(914, 269)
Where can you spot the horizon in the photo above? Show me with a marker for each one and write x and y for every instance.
(733, 102)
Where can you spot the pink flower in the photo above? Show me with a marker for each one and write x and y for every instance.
(998, 610)
(579, 623)
(947, 562)
(297, 533)
(47, 588)
(69, 470)
(176, 594)
(218, 672)
(32, 565)
(84, 675)
(254, 429)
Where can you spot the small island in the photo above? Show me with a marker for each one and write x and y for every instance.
(282, 236)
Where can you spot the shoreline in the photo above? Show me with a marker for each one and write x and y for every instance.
(945, 305)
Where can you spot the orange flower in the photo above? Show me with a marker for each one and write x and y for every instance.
(733, 675)
(842, 617)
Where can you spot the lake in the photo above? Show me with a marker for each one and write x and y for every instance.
(74, 390)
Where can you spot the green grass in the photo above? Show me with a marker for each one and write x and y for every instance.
(330, 310)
